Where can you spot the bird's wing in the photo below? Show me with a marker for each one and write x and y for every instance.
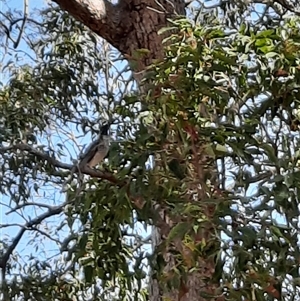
(100, 153)
(89, 153)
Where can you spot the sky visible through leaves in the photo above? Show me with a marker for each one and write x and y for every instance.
(50, 248)
(47, 247)
(54, 195)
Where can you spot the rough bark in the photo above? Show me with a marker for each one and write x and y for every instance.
(128, 26)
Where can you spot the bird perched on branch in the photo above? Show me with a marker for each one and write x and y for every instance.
(97, 150)
(94, 154)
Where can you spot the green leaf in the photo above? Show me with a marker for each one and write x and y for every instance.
(266, 33)
(270, 152)
(178, 231)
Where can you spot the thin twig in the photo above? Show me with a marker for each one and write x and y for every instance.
(46, 234)
(5, 257)
(23, 23)
(28, 204)
(10, 225)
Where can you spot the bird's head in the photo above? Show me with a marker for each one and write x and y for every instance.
(104, 129)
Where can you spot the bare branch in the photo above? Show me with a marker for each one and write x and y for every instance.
(23, 23)
(27, 19)
(28, 204)
(55, 210)
(10, 225)
(46, 235)
(6, 31)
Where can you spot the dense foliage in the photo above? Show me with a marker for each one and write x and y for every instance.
(214, 140)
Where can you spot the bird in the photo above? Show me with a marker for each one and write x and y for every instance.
(94, 154)
(97, 150)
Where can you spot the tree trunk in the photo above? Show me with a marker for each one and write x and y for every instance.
(129, 26)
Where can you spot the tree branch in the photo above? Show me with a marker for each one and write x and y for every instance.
(20, 206)
(101, 16)
(39, 154)
(23, 24)
(46, 235)
(5, 257)
(56, 163)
